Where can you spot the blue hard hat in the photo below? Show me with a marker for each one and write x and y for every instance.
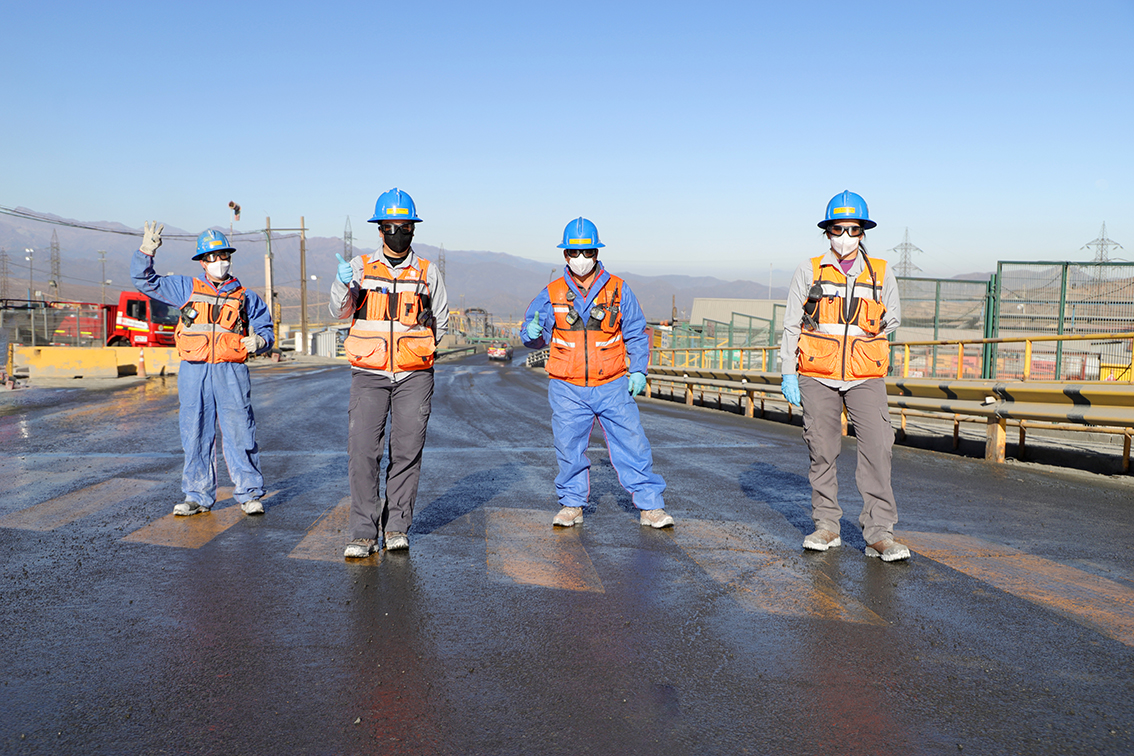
(580, 234)
(212, 241)
(847, 205)
(394, 205)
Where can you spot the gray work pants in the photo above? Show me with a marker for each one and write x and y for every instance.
(823, 432)
(408, 403)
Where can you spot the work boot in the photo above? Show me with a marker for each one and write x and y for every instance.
(568, 516)
(396, 541)
(821, 540)
(253, 507)
(655, 518)
(889, 550)
(359, 548)
(188, 507)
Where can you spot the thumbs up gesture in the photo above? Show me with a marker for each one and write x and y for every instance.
(346, 272)
(534, 329)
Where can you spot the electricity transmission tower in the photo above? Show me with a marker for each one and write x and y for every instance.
(905, 266)
(1102, 247)
(348, 241)
(55, 266)
(3, 273)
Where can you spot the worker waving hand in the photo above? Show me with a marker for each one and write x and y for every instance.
(221, 324)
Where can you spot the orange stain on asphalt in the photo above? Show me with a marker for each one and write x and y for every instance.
(522, 547)
(1091, 600)
(67, 508)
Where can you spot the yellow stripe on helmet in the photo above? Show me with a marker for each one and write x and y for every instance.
(579, 241)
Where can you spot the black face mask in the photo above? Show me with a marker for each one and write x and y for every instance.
(399, 241)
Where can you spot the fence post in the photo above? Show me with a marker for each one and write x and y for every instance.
(997, 437)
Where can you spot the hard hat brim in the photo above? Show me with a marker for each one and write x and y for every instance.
(380, 218)
(202, 255)
(866, 222)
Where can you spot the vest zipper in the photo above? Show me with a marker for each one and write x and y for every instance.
(392, 314)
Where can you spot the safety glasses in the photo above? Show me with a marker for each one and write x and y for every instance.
(214, 256)
(590, 254)
(390, 228)
(850, 230)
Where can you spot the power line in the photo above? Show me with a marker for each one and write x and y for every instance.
(25, 215)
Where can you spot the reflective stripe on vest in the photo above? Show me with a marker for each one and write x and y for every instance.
(392, 328)
(843, 339)
(211, 325)
(588, 351)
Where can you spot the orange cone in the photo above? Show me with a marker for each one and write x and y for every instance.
(141, 362)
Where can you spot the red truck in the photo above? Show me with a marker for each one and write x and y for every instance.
(137, 320)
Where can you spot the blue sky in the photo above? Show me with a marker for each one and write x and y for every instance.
(702, 138)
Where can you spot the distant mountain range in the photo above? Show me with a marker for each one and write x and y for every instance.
(499, 283)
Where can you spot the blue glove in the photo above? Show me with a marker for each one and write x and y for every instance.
(789, 384)
(637, 383)
(534, 329)
(346, 272)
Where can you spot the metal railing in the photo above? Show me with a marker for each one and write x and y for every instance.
(1099, 406)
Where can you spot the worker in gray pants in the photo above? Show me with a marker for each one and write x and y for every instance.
(841, 307)
(399, 312)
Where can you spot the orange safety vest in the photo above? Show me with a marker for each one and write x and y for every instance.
(840, 339)
(586, 350)
(393, 321)
(211, 326)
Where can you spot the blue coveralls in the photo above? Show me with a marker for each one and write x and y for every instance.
(574, 409)
(210, 392)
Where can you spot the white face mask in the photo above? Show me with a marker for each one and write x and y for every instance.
(218, 269)
(845, 244)
(581, 265)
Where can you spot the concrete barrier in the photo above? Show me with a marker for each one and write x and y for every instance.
(91, 362)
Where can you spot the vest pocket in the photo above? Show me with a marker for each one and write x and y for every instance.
(870, 316)
(366, 349)
(229, 348)
(819, 355)
(193, 347)
(415, 352)
(869, 358)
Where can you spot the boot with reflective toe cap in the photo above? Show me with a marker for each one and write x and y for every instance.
(568, 516)
(821, 540)
(889, 550)
(656, 518)
(359, 548)
(188, 507)
(396, 541)
(253, 507)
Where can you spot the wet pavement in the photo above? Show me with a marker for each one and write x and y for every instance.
(126, 631)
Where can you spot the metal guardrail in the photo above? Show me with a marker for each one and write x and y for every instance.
(1098, 407)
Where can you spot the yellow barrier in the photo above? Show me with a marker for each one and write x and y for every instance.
(90, 362)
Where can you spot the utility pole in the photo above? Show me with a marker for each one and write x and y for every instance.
(269, 295)
(905, 267)
(303, 284)
(102, 259)
(3, 273)
(55, 266)
(1102, 247)
(348, 241)
(441, 262)
(31, 284)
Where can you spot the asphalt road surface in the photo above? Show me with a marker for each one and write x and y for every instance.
(125, 631)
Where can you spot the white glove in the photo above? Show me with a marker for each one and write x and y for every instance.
(253, 342)
(151, 238)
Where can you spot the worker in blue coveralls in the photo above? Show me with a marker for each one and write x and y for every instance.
(591, 323)
(221, 324)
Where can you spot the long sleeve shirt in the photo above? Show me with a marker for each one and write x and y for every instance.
(176, 290)
(797, 295)
(633, 320)
(346, 297)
